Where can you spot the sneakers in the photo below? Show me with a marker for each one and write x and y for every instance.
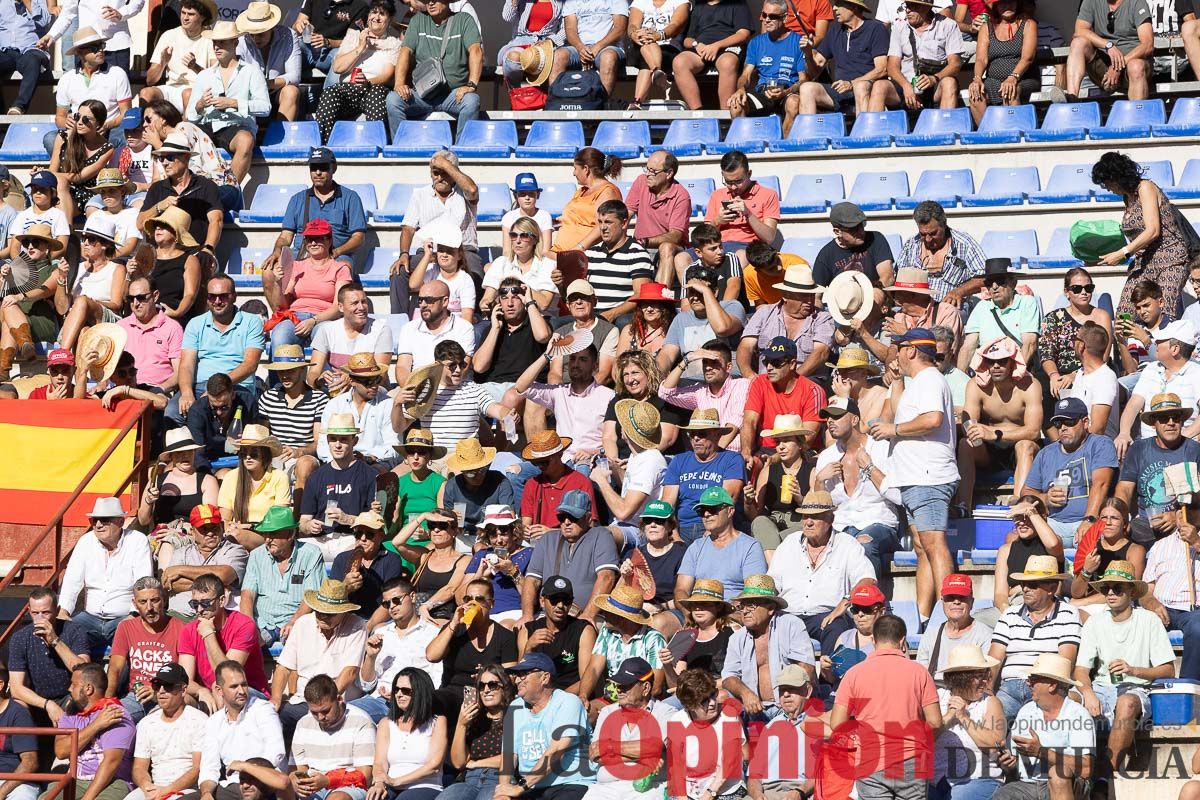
(16, 111)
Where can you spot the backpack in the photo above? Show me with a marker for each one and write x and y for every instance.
(579, 90)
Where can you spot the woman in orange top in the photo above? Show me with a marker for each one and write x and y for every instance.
(577, 225)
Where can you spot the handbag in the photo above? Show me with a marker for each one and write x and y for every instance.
(924, 66)
(527, 98)
(1187, 231)
(429, 77)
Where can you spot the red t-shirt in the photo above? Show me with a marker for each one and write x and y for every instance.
(540, 499)
(974, 8)
(762, 202)
(885, 695)
(810, 11)
(145, 650)
(238, 633)
(806, 399)
(40, 393)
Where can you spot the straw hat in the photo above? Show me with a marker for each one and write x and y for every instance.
(640, 422)
(1039, 568)
(537, 61)
(286, 356)
(260, 436)
(223, 31)
(707, 590)
(341, 425)
(913, 280)
(1052, 666)
(706, 419)
(331, 598)
(112, 178)
(850, 296)
(798, 278)
(968, 658)
(424, 381)
(84, 36)
(259, 17)
(42, 232)
(175, 142)
(790, 425)
(761, 587)
(625, 602)
(1165, 403)
(1121, 572)
(363, 365)
(420, 437)
(854, 356)
(545, 444)
(108, 340)
(815, 503)
(860, 3)
(177, 221)
(178, 440)
(25, 384)
(469, 455)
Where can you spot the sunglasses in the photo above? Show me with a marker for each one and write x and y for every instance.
(404, 691)
(1173, 416)
(94, 240)
(1082, 288)
(141, 298)
(520, 235)
(567, 518)
(168, 157)
(490, 686)
(1113, 588)
(580, 298)
(1059, 424)
(705, 511)
(170, 687)
(428, 301)
(395, 601)
(777, 363)
(368, 533)
(862, 609)
(374, 380)
(97, 47)
(455, 366)
(509, 528)
(220, 297)
(85, 118)
(559, 600)
(511, 291)
(775, 17)
(476, 598)
(196, 605)
(438, 526)
(992, 283)
(956, 598)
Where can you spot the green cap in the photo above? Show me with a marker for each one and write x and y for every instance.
(714, 496)
(658, 509)
(277, 518)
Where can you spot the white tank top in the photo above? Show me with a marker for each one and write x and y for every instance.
(408, 750)
(96, 285)
(955, 754)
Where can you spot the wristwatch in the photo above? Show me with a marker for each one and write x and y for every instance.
(1089, 519)
(1108, 46)
(472, 84)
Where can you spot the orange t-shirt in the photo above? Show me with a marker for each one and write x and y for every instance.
(762, 201)
(760, 287)
(578, 219)
(810, 11)
(885, 695)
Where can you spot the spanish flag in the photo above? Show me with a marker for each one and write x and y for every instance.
(48, 446)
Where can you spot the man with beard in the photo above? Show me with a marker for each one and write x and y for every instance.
(418, 338)
(244, 730)
(216, 635)
(702, 318)
(1141, 483)
(954, 260)
(333, 344)
(796, 317)
(105, 761)
(853, 248)
(325, 199)
(781, 389)
(278, 573)
(565, 638)
(143, 644)
(209, 418)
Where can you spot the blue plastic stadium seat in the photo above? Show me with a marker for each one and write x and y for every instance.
(1175, 638)
(246, 258)
(688, 137)
(812, 132)
(1131, 119)
(877, 191)
(812, 194)
(771, 182)
(357, 139)
(875, 129)
(987, 557)
(946, 186)
(1188, 185)
(1004, 186)
(366, 192)
(1068, 183)
(495, 199)
(375, 276)
(485, 138)
(749, 134)
(700, 190)
(1016, 245)
(396, 203)
(806, 247)
(907, 611)
(626, 139)
(937, 126)
(23, 142)
(552, 139)
(904, 558)
(1066, 122)
(419, 138)
(289, 139)
(270, 202)
(555, 196)
(895, 242)
(1002, 124)
(1184, 121)
(1057, 254)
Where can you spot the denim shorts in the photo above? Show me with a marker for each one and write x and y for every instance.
(1107, 694)
(928, 507)
(574, 62)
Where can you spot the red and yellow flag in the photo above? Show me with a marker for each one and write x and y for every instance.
(47, 448)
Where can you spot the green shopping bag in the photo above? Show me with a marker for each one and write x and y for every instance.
(1092, 239)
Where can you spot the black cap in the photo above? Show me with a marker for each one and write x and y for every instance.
(632, 670)
(321, 155)
(171, 675)
(702, 272)
(556, 585)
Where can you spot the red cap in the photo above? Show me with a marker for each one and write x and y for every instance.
(957, 585)
(60, 357)
(318, 227)
(205, 514)
(867, 595)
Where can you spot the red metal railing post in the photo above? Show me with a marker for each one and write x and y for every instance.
(60, 782)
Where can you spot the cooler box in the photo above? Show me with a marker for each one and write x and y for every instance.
(992, 525)
(1174, 701)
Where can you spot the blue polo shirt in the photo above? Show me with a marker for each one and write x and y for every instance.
(343, 211)
(854, 52)
(44, 670)
(222, 351)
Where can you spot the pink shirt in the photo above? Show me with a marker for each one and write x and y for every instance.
(730, 402)
(762, 201)
(153, 346)
(580, 416)
(313, 287)
(893, 715)
(238, 633)
(659, 214)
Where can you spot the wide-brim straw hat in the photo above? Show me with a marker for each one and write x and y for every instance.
(625, 602)
(363, 365)
(179, 440)
(855, 357)
(798, 278)
(860, 3)
(761, 587)
(84, 36)
(111, 178)
(287, 356)
(1121, 572)
(108, 340)
(424, 381)
(1052, 666)
(640, 422)
(223, 31)
(177, 221)
(708, 590)
(470, 455)
(545, 444)
(259, 436)
(42, 232)
(1165, 403)
(706, 419)
(420, 437)
(790, 425)
(968, 658)
(331, 598)
(259, 17)
(816, 503)
(1039, 568)
(536, 62)
(850, 296)
(911, 279)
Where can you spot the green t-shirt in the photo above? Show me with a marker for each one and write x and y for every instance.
(424, 38)
(417, 497)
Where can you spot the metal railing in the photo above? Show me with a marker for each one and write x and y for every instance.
(55, 525)
(61, 783)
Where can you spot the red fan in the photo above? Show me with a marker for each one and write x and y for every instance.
(639, 576)
(1087, 543)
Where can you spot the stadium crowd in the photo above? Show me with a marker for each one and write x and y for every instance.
(629, 480)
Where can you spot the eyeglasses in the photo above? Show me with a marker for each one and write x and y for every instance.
(651, 171)
(108, 521)
(93, 240)
(428, 301)
(956, 598)
(490, 686)
(773, 17)
(504, 529)
(735, 181)
(705, 511)
(220, 297)
(992, 283)
(205, 604)
(97, 47)
(141, 298)
(170, 687)
(395, 601)
(367, 533)
(511, 291)
(318, 168)
(520, 235)
(1082, 288)
(580, 298)
(998, 362)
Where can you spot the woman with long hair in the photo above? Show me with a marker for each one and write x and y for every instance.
(636, 377)
(311, 291)
(36, 314)
(774, 516)
(1056, 344)
(594, 172)
(707, 613)
(179, 486)
(524, 258)
(410, 745)
(442, 260)
(1151, 228)
(98, 294)
(1114, 544)
(440, 566)
(973, 729)
(366, 62)
(503, 561)
(654, 308)
(176, 267)
(83, 150)
(1031, 536)
(1004, 52)
(478, 741)
(248, 491)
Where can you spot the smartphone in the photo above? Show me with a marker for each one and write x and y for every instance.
(470, 695)
(1125, 316)
(726, 203)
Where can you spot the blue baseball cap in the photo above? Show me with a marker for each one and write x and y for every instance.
(526, 182)
(576, 503)
(321, 155)
(45, 179)
(132, 119)
(780, 347)
(1071, 409)
(533, 662)
(920, 338)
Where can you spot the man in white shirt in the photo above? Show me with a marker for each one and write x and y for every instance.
(180, 54)
(170, 739)
(417, 339)
(335, 342)
(923, 456)
(247, 727)
(1172, 372)
(105, 18)
(368, 403)
(622, 733)
(1095, 383)
(393, 646)
(95, 79)
(106, 562)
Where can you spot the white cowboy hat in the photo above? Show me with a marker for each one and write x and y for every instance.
(849, 296)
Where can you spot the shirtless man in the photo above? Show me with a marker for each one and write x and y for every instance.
(852, 378)
(1004, 417)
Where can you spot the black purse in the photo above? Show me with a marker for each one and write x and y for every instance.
(924, 66)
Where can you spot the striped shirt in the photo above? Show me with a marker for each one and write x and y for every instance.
(1025, 641)
(351, 746)
(612, 274)
(644, 644)
(292, 425)
(1164, 569)
(455, 413)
